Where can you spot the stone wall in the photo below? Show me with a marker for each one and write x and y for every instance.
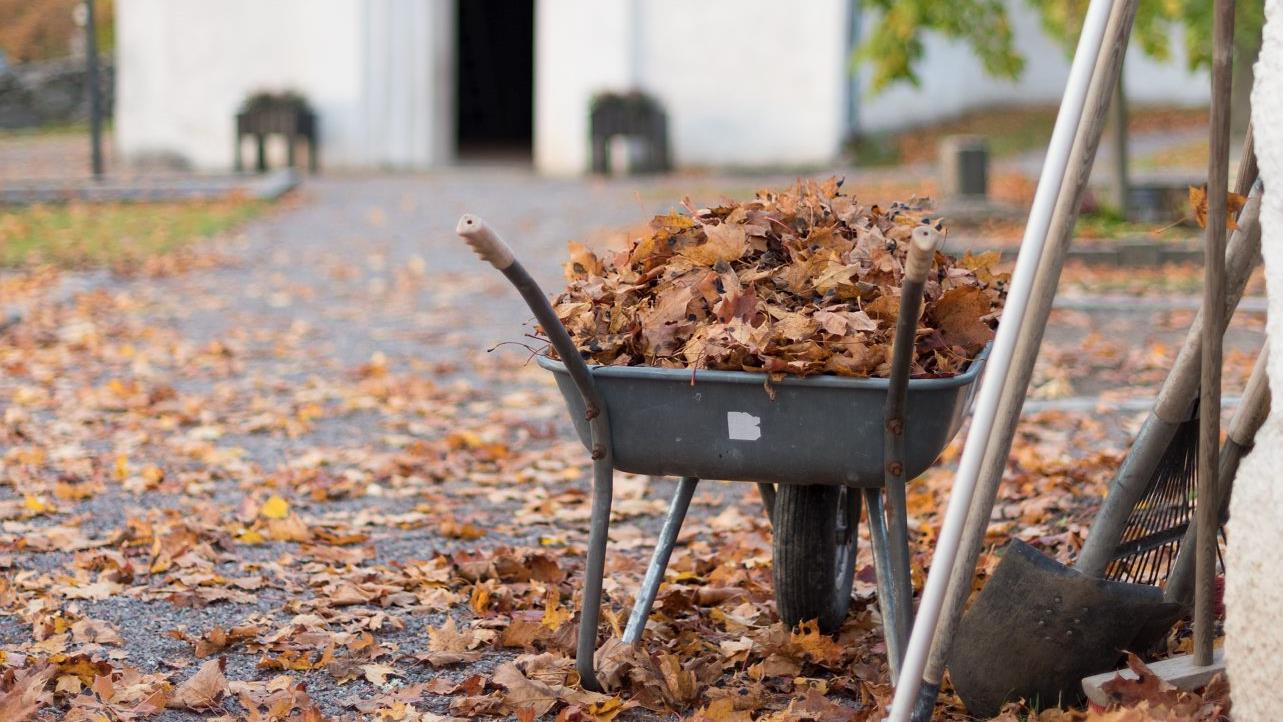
(50, 93)
(1254, 565)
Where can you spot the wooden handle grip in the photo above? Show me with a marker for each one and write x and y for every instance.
(922, 250)
(484, 241)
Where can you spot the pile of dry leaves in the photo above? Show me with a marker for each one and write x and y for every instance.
(801, 281)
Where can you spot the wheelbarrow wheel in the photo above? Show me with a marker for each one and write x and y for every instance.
(814, 553)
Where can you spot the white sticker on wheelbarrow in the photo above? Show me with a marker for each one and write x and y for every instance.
(741, 426)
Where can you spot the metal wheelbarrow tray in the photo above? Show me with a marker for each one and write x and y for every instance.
(829, 441)
(725, 425)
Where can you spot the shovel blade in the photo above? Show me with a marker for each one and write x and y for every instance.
(1038, 627)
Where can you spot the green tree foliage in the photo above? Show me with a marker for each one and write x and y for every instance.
(894, 45)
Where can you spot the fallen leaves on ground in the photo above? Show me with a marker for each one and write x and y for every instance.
(240, 525)
(799, 281)
(1143, 699)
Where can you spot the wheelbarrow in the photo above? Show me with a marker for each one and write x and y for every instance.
(825, 441)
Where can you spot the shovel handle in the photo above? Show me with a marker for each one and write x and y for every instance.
(485, 242)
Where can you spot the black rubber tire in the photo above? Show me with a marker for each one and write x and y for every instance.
(812, 569)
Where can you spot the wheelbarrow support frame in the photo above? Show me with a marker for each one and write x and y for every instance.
(888, 524)
(496, 252)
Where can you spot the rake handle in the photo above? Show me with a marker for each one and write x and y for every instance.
(1247, 420)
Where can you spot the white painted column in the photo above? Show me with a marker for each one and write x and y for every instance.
(1254, 574)
(407, 96)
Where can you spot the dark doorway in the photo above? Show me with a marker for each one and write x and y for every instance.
(494, 79)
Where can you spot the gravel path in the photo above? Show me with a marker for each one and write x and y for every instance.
(338, 360)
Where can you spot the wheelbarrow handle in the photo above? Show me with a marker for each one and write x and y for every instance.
(491, 248)
(897, 610)
(485, 242)
(922, 250)
(494, 251)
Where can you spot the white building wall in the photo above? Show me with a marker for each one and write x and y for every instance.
(372, 70)
(744, 82)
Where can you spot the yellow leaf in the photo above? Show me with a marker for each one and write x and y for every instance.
(121, 471)
(377, 674)
(608, 709)
(1198, 202)
(480, 599)
(555, 615)
(250, 536)
(36, 504)
(275, 508)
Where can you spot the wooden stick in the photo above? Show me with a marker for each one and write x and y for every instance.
(1209, 437)
(1176, 397)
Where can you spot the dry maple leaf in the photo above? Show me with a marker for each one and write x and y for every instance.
(447, 645)
(522, 693)
(799, 281)
(27, 693)
(958, 313)
(202, 690)
(1234, 203)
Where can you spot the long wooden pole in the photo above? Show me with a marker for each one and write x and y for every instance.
(1209, 436)
(998, 366)
(1077, 174)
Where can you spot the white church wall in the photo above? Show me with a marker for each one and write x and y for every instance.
(744, 82)
(1253, 637)
(370, 68)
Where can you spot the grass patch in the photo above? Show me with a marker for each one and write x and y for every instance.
(56, 130)
(1110, 224)
(112, 234)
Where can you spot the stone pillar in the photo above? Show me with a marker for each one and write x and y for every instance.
(964, 167)
(1254, 574)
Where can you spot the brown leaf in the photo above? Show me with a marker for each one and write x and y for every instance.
(202, 690)
(959, 312)
(27, 693)
(724, 243)
(522, 693)
(583, 262)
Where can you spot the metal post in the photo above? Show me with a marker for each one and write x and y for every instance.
(893, 625)
(95, 91)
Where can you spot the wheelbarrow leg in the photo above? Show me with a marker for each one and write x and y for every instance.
(893, 627)
(898, 556)
(590, 614)
(767, 490)
(659, 561)
(491, 248)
